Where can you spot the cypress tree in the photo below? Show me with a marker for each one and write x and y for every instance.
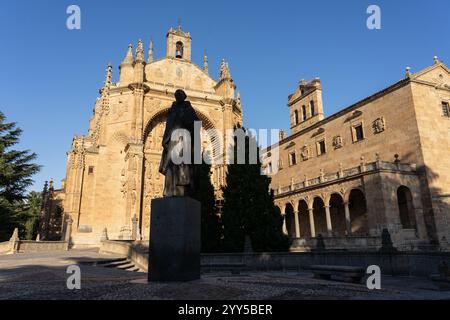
(249, 208)
(210, 225)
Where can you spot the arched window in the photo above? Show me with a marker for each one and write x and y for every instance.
(405, 207)
(304, 113)
(296, 117)
(313, 111)
(290, 220)
(358, 213)
(179, 50)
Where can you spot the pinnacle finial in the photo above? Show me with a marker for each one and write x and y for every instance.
(108, 78)
(179, 23)
(140, 52)
(408, 72)
(436, 59)
(129, 59)
(224, 70)
(150, 51)
(205, 62)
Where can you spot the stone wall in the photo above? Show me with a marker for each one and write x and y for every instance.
(5, 247)
(406, 264)
(26, 246)
(421, 264)
(353, 243)
(137, 252)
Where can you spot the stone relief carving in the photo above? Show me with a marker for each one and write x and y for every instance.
(123, 183)
(77, 153)
(152, 104)
(337, 142)
(102, 109)
(119, 109)
(379, 125)
(154, 139)
(305, 153)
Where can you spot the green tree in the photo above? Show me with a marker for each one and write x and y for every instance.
(31, 213)
(248, 208)
(210, 224)
(16, 170)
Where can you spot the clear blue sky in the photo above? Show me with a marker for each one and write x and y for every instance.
(50, 76)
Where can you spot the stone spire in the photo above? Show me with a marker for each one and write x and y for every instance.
(224, 71)
(205, 63)
(108, 78)
(127, 68)
(150, 52)
(140, 52)
(129, 59)
(238, 101)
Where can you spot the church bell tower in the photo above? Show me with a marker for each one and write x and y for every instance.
(179, 44)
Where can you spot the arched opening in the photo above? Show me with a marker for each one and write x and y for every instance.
(337, 213)
(296, 117)
(152, 183)
(305, 116)
(358, 213)
(313, 110)
(320, 218)
(303, 220)
(179, 50)
(406, 208)
(290, 220)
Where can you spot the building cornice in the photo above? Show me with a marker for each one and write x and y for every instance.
(347, 110)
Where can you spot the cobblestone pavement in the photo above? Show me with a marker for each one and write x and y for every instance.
(43, 276)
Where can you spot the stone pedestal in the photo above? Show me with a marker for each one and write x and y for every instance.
(175, 241)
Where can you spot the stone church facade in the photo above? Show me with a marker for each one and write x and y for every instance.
(382, 163)
(112, 172)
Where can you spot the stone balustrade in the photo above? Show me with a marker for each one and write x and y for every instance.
(363, 168)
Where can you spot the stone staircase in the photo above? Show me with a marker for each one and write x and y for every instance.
(118, 263)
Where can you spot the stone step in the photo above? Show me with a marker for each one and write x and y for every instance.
(127, 266)
(105, 262)
(117, 264)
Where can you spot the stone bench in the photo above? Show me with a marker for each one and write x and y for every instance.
(346, 273)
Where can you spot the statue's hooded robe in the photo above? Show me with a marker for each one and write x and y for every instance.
(179, 177)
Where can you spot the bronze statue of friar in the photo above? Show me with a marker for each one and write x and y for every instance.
(179, 136)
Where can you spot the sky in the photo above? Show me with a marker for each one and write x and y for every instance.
(50, 75)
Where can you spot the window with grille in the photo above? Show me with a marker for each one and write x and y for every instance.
(445, 109)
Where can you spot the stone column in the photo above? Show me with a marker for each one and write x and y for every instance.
(14, 242)
(69, 222)
(311, 222)
(297, 225)
(284, 225)
(348, 223)
(328, 216)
